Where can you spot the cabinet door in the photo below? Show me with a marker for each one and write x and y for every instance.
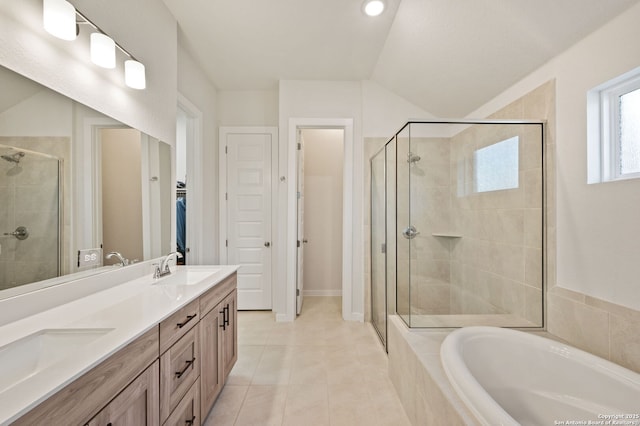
(211, 378)
(136, 405)
(230, 333)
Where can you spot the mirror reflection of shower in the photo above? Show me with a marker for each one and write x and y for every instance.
(412, 158)
(13, 158)
(31, 215)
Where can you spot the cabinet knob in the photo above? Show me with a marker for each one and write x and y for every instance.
(267, 244)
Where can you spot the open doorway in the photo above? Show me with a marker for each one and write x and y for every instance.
(182, 134)
(188, 180)
(320, 207)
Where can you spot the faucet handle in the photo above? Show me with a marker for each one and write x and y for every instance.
(156, 270)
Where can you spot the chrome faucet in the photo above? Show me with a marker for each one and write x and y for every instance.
(163, 268)
(123, 261)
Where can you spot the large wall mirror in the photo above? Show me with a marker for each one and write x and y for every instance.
(75, 185)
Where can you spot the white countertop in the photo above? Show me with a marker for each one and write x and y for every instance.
(130, 309)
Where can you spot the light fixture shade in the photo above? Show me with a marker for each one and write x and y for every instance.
(103, 50)
(134, 74)
(373, 7)
(59, 19)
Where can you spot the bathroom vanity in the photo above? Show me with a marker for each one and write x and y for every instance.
(147, 351)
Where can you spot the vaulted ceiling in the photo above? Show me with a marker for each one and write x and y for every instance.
(446, 56)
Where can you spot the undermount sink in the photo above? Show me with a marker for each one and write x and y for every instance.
(187, 277)
(31, 355)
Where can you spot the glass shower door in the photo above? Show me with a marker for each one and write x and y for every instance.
(378, 246)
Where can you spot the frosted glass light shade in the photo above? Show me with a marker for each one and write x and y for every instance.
(373, 7)
(59, 19)
(103, 50)
(134, 74)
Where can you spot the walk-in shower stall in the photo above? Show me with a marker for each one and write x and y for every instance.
(30, 216)
(457, 225)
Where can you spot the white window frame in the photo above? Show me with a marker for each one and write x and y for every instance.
(603, 135)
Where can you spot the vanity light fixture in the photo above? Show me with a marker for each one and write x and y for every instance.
(134, 75)
(373, 7)
(59, 19)
(103, 50)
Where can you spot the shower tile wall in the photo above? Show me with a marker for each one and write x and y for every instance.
(496, 265)
(29, 197)
(430, 187)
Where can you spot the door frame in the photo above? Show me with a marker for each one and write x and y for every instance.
(222, 186)
(194, 148)
(347, 211)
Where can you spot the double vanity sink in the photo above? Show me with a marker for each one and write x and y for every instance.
(35, 353)
(42, 353)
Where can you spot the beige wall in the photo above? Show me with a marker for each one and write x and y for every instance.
(121, 189)
(323, 181)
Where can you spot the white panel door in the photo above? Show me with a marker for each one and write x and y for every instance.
(249, 199)
(301, 239)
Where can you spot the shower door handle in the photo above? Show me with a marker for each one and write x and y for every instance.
(410, 232)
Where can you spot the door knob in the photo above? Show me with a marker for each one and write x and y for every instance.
(267, 244)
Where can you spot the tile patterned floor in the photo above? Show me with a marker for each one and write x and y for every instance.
(318, 370)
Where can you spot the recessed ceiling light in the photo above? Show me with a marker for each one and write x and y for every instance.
(373, 7)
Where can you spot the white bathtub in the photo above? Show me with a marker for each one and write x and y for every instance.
(509, 377)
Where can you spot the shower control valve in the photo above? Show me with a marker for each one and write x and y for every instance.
(410, 232)
(21, 233)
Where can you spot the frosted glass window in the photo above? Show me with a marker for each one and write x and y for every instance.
(629, 138)
(496, 166)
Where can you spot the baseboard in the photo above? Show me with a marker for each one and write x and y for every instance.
(283, 318)
(357, 317)
(331, 293)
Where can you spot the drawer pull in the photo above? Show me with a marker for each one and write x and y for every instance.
(189, 318)
(190, 422)
(189, 364)
(226, 319)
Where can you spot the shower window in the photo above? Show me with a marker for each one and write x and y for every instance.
(496, 166)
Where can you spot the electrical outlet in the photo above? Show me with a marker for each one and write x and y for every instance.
(89, 257)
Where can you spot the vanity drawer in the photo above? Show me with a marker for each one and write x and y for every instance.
(179, 369)
(174, 327)
(187, 413)
(211, 298)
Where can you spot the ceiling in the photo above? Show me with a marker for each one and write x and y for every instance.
(446, 56)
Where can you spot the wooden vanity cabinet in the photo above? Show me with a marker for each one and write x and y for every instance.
(137, 404)
(169, 376)
(218, 340)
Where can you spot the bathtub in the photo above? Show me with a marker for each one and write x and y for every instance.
(509, 377)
